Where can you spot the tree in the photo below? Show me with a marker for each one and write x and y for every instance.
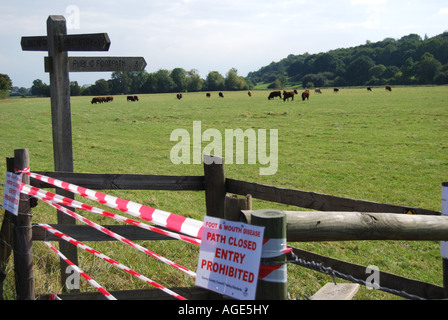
(214, 81)
(194, 82)
(179, 77)
(427, 68)
(234, 82)
(164, 81)
(5, 85)
(357, 72)
(75, 89)
(40, 89)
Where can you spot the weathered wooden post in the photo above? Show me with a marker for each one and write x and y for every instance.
(5, 236)
(272, 279)
(444, 244)
(215, 186)
(22, 236)
(58, 64)
(234, 205)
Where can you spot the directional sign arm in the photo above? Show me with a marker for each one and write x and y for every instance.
(105, 64)
(73, 42)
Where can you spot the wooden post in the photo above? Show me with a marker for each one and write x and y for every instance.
(272, 282)
(215, 186)
(234, 205)
(444, 245)
(22, 236)
(5, 236)
(61, 121)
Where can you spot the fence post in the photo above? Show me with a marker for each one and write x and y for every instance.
(272, 279)
(22, 236)
(444, 244)
(234, 205)
(215, 186)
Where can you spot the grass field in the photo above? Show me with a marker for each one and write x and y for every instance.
(388, 147)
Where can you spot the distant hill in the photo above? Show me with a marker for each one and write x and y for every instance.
(409, 60)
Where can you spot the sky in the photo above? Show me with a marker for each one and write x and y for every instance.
(210, 35)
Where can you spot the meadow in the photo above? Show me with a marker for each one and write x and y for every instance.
(388, 147)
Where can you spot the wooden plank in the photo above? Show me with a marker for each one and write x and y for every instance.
(400, 284)
(87, 233)
(104, 64)
(305, 226)
(215, 186)
(339, 291)
(315, 201)
(125, 181)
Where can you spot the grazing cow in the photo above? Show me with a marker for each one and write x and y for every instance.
(94, 100)
(132, 98)
(109, 99)
(388, 88)
(179, 96)
(221, 95)
(336, 90)
(317, 90)
(249, 93)
(288, 94)
(274, 94)
(306, 95)
(369, 88)
(208, 95)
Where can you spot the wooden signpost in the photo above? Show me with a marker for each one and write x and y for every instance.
(58, 65)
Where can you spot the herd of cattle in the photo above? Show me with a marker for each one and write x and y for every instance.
(274, 94)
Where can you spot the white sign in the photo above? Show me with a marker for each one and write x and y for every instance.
(229, 258)
(444, 244)
(11, 195)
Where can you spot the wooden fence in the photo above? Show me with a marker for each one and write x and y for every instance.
(222, 202)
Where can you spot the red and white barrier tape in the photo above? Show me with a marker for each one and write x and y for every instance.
(107, 259)
(82, 273)
(169, 220)
(36, 192)
(115, 235)
(273, 248)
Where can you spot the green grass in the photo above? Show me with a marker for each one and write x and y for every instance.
(388, 147)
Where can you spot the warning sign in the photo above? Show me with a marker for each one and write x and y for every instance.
(11, 195)
(229, 258)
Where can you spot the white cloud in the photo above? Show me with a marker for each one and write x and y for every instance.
(443, 10)
(368, 2)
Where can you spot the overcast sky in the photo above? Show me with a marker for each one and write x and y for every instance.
(211, 35)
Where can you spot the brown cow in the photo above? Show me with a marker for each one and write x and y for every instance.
(179, 96)
(305, 95)
(317, 90)
(249, 93)
(274, 94)
(369, 88)
(288, 94)
(388, 88)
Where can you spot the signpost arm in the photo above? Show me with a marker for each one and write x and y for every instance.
(61, 120)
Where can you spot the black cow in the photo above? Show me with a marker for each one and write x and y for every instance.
(289, 94)
(221, 95)
(179, 96)
(274, 94)
(388, 88)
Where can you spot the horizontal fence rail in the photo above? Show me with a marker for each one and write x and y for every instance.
(315, 201)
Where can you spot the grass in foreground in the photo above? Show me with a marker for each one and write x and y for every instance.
(380, 146)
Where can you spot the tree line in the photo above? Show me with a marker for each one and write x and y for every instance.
(410, 60)
(162, 81)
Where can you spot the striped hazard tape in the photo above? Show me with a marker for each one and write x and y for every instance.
(162, 218)
(271, 272)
